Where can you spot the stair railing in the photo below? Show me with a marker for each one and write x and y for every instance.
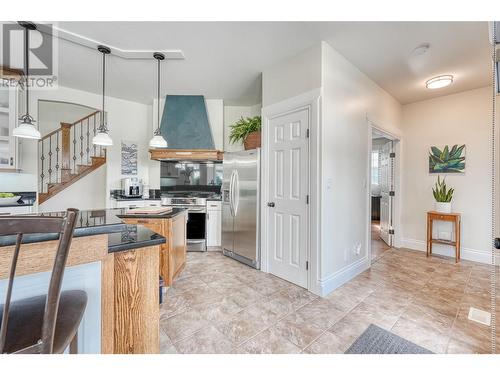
(62, 151)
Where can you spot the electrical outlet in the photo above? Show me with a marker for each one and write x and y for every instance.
(358, 249)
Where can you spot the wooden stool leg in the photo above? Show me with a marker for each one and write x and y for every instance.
(457, 239)
(73, 346)
(428, 237)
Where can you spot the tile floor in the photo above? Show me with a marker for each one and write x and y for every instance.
(378, 246)
(221, 306)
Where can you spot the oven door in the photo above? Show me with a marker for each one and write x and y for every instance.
(196, 229)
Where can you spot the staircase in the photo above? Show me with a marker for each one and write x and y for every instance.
(67, 154)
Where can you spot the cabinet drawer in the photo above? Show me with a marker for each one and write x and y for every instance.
(214, 205)
(154, 224)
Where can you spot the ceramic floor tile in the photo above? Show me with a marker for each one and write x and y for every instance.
(241, 328)
(321, 313)
(327, 343)
(207, 340)
(297, 330)
(269, 342)
(183, 325)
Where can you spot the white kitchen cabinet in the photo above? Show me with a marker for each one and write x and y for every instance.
(8, 118)
(137, 203)
(130, 203)
(16, 210)
(214, 224)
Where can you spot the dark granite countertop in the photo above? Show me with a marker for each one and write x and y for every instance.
(94, 222)
(133, 237)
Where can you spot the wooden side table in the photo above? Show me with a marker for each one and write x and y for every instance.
(440, 216)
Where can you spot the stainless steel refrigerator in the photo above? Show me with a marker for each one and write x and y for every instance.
(240, 206)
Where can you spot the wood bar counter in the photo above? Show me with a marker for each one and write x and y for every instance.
(130, 262)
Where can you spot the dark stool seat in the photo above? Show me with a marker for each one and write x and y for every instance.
(24, 326)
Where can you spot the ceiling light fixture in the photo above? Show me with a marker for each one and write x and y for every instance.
(158, 141)
(102, 138)
(439, 82)
(26, 128)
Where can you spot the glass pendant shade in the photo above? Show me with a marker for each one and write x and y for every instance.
(102, 139)
(26, 129)
(158, 142)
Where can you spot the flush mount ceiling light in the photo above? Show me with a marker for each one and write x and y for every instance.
(27, 128)
(158, 141)
(439, 82)
(102, 138)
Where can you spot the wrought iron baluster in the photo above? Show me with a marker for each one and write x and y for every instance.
(94, 135)
(42, 175)
(50, 159)
(57, 157)
(74, 148)
(88, 144)
(81, 142)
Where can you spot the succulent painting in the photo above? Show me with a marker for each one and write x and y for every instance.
(447, 160)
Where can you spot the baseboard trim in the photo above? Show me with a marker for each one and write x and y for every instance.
(332, 282)
(474, 255)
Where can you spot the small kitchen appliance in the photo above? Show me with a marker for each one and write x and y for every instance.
(132, 187)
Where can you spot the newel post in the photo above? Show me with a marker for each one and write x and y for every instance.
(65, 151)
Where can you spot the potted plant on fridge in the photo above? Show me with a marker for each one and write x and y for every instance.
(247, 131)
(443, 196)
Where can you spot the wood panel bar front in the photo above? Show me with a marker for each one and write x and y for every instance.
(136, 301)
(129, 287)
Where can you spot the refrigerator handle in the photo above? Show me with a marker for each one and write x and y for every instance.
(231, 191)
(236, 187)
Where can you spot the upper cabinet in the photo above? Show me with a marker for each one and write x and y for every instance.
(8, 118)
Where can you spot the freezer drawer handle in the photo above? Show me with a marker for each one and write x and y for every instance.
(270, 204)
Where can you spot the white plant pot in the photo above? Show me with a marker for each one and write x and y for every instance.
(444, 207)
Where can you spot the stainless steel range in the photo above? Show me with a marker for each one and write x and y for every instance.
(196, 204)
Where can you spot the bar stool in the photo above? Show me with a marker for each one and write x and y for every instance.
(48, 323)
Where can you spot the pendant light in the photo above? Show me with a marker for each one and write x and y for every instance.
(158, 141)
(26, 128)
(102, 138)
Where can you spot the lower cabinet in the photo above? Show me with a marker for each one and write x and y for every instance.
(173, 252)
(214, 228)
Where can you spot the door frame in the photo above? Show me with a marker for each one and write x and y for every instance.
(396, 202)
(310, 100)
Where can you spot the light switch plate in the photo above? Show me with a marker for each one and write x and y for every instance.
(480, 316)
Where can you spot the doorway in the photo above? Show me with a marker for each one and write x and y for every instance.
(382, 192)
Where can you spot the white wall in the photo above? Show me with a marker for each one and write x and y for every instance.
(51, 114)
(292, 77)
(463, 118)
(349, 98)
(233, 114)
(126, 120)
(88, 193)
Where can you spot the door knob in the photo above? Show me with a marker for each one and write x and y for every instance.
(497, 243)
(270, 204)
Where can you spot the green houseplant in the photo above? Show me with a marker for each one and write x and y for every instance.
(443, 196)
(246, 130)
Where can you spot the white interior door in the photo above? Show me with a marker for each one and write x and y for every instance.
(288, 189)
(386, 186)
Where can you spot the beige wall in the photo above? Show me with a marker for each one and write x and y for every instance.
(462, 118)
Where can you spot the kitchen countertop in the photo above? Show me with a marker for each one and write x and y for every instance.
(28, 198)
(167, 215)
(89, 223)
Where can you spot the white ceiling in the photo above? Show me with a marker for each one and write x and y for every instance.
(225, 59)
